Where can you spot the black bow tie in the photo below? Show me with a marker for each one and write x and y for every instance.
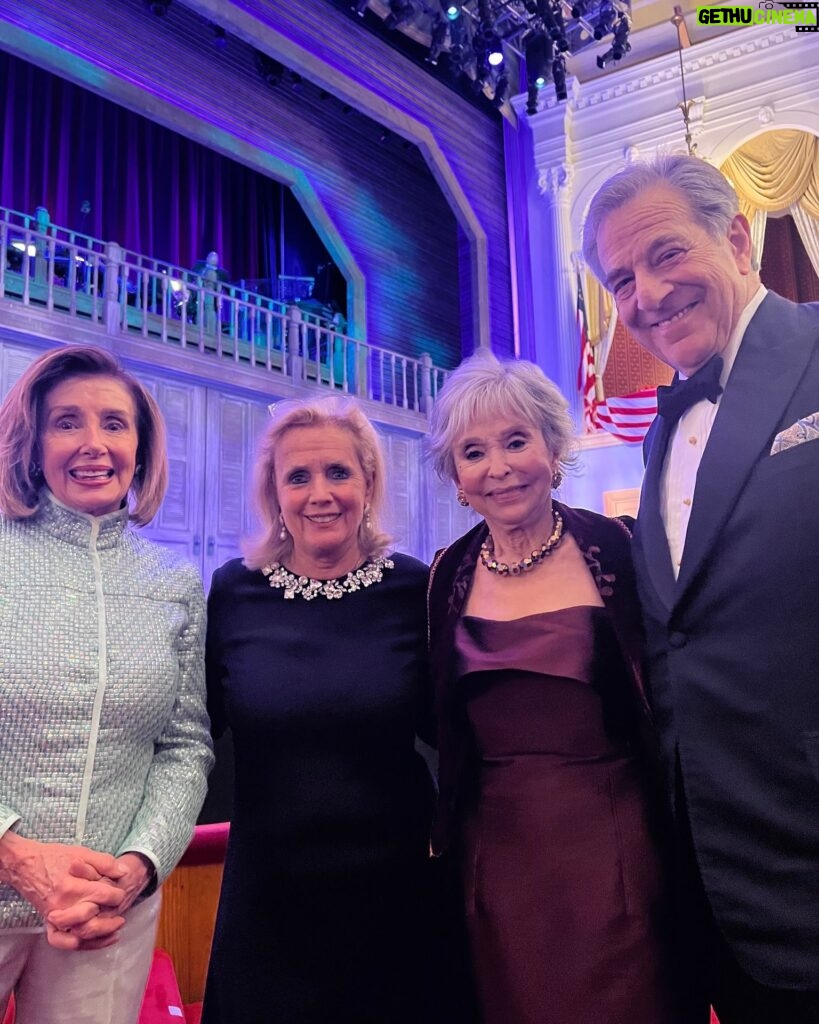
(675, 399)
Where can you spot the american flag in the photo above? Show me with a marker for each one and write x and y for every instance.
(628, 417)
(586, 373)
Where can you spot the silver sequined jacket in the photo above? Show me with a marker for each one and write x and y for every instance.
(104, 736)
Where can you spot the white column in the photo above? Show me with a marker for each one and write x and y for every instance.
(557, 344)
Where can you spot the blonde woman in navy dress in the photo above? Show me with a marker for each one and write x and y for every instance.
(316, 661)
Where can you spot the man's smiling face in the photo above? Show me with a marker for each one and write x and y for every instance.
(679, 289)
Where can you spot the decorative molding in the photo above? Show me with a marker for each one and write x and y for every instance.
(766, 114)
(671, 72)
(696, 113)
(624, 502)
(554, 181)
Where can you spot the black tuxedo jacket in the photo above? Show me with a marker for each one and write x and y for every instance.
(733, 649)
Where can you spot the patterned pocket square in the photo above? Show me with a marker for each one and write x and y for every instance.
(806, 429)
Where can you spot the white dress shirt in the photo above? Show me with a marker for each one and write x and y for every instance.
(687, 444)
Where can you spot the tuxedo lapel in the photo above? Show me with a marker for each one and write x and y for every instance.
(651, 545)
(770, 363)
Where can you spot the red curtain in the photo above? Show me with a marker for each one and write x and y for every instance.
(786, 267)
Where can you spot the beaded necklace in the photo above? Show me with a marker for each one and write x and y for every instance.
(525, 564)
(365, 576)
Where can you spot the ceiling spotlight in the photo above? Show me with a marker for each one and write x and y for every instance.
(360, 6)
(452, 11)
(494, 51)
(539, 50)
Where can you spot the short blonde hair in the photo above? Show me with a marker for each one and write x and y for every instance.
(21, 423)
(484, 387)
(333, 411)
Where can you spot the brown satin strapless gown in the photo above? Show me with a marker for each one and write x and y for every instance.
(561, 877)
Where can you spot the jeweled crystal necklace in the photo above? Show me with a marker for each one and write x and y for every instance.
(369, 573)
(525, 564)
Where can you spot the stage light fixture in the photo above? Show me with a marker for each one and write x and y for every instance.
(486, 36)
(440, 31)
(605, 20)
(559, 76)
(539, 49)
(500, 91)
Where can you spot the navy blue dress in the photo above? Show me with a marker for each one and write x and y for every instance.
(325, 896)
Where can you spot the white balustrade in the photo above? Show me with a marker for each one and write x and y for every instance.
(48, 267)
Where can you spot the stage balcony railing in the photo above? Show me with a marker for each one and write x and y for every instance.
(48, 267)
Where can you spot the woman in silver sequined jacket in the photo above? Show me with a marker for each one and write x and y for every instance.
(104, 741)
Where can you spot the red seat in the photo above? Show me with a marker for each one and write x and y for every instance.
(162, 1002)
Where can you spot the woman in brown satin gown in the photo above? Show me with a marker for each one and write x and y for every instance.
(536, 647)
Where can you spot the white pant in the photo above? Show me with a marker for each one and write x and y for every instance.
(99, 986)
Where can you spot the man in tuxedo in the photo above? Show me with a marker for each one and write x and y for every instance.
(727, 557)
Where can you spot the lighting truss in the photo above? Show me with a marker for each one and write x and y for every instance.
(483, 39)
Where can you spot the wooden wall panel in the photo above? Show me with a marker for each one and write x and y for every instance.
(190, 897)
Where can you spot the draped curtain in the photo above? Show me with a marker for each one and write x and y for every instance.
(779, 171)
(141, 185)
(601, 316)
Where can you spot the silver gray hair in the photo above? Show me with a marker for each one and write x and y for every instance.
(485, 387)
(712, 199)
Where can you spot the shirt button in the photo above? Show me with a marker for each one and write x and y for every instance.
(677, 640)
(692, 440)
(686, 501)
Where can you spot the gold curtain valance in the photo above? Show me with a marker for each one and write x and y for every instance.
(776, 170)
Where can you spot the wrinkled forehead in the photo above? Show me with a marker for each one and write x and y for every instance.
(97, 389)
(656, 216)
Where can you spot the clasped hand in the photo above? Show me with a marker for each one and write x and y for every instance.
(81, 894)
(95, 897)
